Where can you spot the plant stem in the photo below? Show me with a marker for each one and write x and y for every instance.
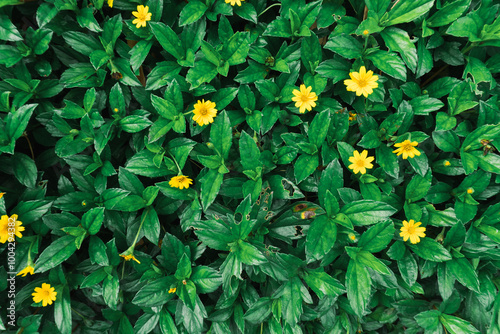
(265, 10)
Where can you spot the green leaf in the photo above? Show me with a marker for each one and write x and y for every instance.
(92, 220)
(323, 284)
(192, 12)
(389, 63)
(406, 11)
(8, 32)
(464, 273)
(25, 169)
(345, 45)
(336, 69)
(210, 186)
(456, 325)
(249, 152)
(168, 39)
(377, 237)
(398, 40)
(448, 13)
(154, 293)
(321, 237)
(56, 253)
(429, 249)
(447, 141)
(9, 55)
(418, 187)
(62, 310)
(291, 300)
(319, 128)
(367, 258)
(367, 212)
(224, 97)
(235, 50)
(203, 71)
(183, 268)
(247, 253)
(358, 284)
(304, 166)
(206, 279)
(461, 98)
(221, 135)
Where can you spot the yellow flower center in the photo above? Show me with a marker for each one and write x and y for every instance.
(360, 163)
(180, 179)
(142, 15)
(362, 83)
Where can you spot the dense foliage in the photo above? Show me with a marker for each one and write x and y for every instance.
(253, 166)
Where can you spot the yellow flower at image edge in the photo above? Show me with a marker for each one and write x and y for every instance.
(304, 98)
(412, 231)
(28, 270)
(204, 112)
(407, 149)
(180, 182)
(142, 16)
(234, 2)
(110, 3)
(130, 257)
(362, 82)
(46, 294)
(360, 162)
(4, 228)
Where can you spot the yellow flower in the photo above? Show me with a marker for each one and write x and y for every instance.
(361, 82)
(204, 112)
(304, 99)
(45, 294)
(470, 190)
(142, 16)
(130, 257)
(360, 162)
(15, 224)
(366, 32)
(180, 182)
(407, 149)
(172, 290)
(233, 2)
(110, 3)
(1, 194)
(28, 270)
(352, 116)
(413, 231)
(447, 163)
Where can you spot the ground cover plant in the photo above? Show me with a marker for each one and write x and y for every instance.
(249, 166)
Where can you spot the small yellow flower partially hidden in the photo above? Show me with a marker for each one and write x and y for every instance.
(142, 16)
(28, 270)
(45, 294)
(366, 32)
(413, 231)
(234, 2)
(172, 290)
(129, 257)
(1, 194)
(14, 225)
(352, 116)
(407, 149)
(361, 82)
(470, 190)
(360, 162)
(204, 112)
(304, 98)
(110, 3)
(447, 163)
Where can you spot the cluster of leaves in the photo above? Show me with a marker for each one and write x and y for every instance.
(276, 234)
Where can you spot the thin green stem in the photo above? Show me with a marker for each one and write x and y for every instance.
(178, 168)
(78, 313)
(265, 10)
(140, 226)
